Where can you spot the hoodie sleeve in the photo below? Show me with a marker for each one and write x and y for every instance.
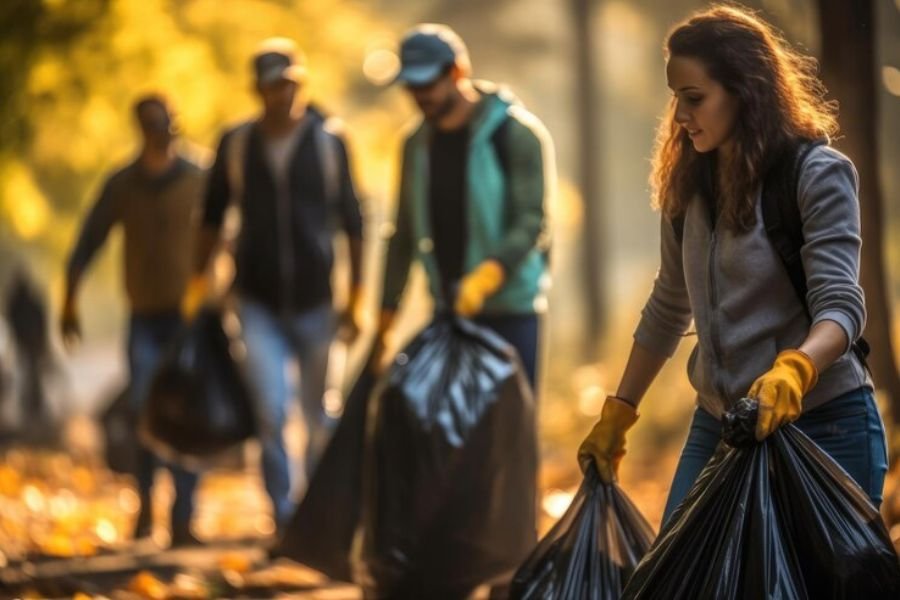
(829, 208)
(218, 189)
(104, 214)
(530, 180)
(667, 313)
(351, 217)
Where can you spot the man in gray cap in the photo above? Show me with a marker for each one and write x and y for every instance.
(476, 174)
(288, 174)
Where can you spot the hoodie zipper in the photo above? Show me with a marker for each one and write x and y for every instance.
(711, 197)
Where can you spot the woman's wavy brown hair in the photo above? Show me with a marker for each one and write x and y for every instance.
(780, 96)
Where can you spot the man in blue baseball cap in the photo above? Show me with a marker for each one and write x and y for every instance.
(476, 174)
(428, 54)
(478, 170)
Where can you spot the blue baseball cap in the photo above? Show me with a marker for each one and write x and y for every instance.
(426, 51)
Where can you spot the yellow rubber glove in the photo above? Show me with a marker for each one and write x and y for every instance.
(780, 390)
(378, 360)
(605, 444)
(353, 320)
(478, 286)
(194, 296)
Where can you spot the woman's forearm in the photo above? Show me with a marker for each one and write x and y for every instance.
(641, 369)
(825, 343)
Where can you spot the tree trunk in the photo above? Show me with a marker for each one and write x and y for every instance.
(587, 107)
(849, 71)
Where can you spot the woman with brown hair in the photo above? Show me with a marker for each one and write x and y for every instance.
(748, 112)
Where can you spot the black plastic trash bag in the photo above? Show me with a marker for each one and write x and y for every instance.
(777, 519)
(591, 551)
(449, 484)
(119, 422)
(320, 534)
(199, 404)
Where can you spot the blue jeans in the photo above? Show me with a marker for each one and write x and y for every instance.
(149, 337)
(273, 342)
(848, 428)
(521, 331)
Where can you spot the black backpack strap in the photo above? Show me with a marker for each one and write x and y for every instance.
(781, 212)
(784, 223)
(707, 189)
(861, 349)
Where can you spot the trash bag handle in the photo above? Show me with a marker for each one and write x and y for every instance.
(451, 291)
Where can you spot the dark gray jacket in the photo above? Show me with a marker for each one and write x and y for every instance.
(284, 252)
(738, 293)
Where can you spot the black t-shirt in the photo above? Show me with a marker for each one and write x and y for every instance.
(447, 198)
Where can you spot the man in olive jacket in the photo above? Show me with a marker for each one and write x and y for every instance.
(476, 175)
(156, 198)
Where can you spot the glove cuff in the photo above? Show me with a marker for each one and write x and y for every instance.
(619, 411)
(801, 365)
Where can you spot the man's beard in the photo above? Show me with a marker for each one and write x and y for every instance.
(160, 142)
(441, 110)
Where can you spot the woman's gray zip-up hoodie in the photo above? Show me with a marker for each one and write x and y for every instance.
(738, 293)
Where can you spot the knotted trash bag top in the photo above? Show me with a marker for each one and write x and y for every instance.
(776, 519)
(199, 404)
(591, 551)
(449, 487)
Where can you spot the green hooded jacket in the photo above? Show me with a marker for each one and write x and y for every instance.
(505, 207)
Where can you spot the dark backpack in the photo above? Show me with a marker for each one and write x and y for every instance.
(784, 224)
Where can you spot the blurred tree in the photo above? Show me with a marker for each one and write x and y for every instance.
(71, 71)
(28, 29)
(590, 160)
(849, 69)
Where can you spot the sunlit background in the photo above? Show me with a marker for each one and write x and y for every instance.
(71, 70)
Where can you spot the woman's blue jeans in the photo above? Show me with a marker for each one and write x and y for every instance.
(848, 428)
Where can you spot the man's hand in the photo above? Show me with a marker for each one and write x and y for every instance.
(479, 285)
(194, 296)
(70, 324)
